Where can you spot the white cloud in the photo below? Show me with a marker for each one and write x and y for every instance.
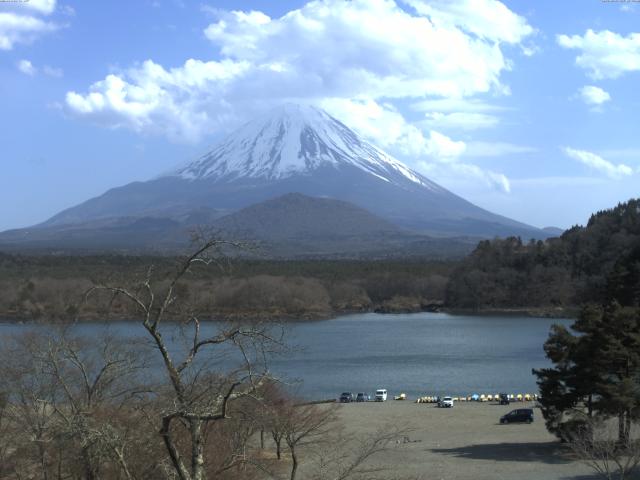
(326, 49)
(459, 114)
(52, 71)
(370, 47)
(184, 103)
(442, 148)
(20, 22)
(431, 153)
(388, 128)
(460, 120)
(496, 149)
(376, 121)
(498, 181)
(29, 7)
(45, 7)
(558, 182)
(598, 163)
(622, 153)
(456, 105)
(358, 59)
(455, 172)
(605, 54)
(26, 67)
(488, 19)
(593, 96)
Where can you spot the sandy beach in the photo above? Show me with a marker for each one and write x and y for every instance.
(466, 442)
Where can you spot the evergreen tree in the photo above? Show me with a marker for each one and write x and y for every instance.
(560, 272)
(619, 360)
(596, 369)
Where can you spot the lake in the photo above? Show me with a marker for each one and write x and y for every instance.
(418, 354)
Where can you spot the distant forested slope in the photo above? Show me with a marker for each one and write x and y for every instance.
(50, 287)
(585, 264)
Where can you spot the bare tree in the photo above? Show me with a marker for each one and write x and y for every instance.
(29, 420)
(79, 407)
(314, 435)
(5, 432)
(347, 457)
(595, 442)
(272, 415)
(66, 398)
(213, 370)
(303, 426)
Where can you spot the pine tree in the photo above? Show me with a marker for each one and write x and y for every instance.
(619, 359)
(596, 369)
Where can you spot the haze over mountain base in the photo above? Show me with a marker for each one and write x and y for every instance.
(353, 197)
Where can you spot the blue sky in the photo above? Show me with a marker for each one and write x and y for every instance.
(528, 109)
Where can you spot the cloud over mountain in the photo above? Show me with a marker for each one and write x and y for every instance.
(326, 49)
(343, 56)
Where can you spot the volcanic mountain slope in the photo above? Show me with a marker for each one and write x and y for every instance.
(295, 225)
(295, 216)
(290, 226)
(292, 149)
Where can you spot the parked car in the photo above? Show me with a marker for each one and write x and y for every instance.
(363, 397)
(521, 415)
(346, 397)
(446, 402)
(504, 399)
(381, 395)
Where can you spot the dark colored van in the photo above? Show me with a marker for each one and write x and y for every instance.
(504, 399)
(522, 415)
(346, 397)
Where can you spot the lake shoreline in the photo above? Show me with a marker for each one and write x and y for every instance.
(285, 317)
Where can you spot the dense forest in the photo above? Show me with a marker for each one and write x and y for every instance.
(585, 264)
(50, 287)
(576, 268)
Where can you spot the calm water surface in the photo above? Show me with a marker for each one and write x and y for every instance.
(419, 354)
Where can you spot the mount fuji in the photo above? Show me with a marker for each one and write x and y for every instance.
(291, 149)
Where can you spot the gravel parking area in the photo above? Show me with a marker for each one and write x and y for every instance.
(465, 442)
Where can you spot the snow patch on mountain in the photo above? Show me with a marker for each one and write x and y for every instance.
(295, 139)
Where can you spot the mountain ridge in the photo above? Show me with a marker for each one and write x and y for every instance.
(294, 214)
(293, 149)
(286, 227)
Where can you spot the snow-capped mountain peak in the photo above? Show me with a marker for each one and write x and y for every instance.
(293, 149)
(295, 139)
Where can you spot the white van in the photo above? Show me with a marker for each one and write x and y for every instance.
(381, 395)
(446, 402)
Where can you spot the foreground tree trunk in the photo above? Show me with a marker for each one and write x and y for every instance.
(198, 396)
(599, 446)
(197, 449)
(294, 463)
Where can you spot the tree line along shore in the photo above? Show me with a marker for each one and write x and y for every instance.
(549, 278)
